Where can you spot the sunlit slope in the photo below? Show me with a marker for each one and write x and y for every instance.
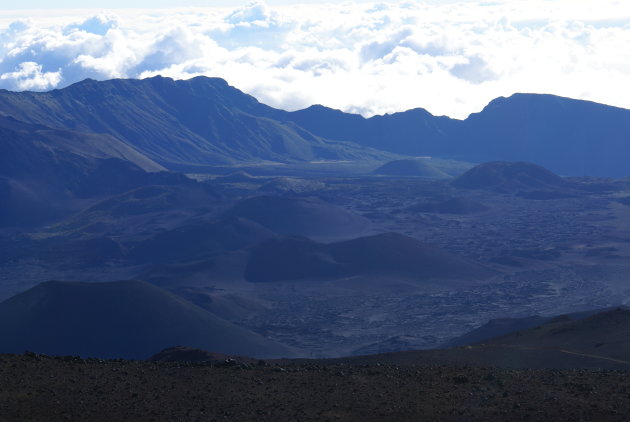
(178, 123)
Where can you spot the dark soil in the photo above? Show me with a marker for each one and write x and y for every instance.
(70, 389)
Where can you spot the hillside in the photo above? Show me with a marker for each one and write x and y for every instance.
(583, 340)
(128, 319)
(570, 137)
(30, 149)
(41, 167)
(509, 177)
(305, 216)
(412, 132)
(201, 238)
(503, 326)
(497, 328)
(604, 334)
(201, 121)
(389, 255)
(204, 121)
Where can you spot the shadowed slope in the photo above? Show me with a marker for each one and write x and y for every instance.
(129, 319)
(40, 167)
(504, 326)
(291, 258)
(496, 328)
(35, 150)
(390, 254)
(191, 240)
(604, 334)
(601, 340)
(310, 217)
(509, 177)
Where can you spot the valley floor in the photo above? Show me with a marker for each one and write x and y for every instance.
(41, 388)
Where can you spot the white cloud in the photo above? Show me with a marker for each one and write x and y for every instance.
(29, 76)
(99, 25)
(370, 58)
(254, 13)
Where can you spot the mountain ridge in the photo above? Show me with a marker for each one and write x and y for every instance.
(568, 136)
(197, 121)
(205, 121)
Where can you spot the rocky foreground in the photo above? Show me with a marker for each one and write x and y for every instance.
(42, 388)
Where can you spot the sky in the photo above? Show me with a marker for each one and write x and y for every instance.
(447, 56)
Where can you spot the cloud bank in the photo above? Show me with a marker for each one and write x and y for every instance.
(369, 58)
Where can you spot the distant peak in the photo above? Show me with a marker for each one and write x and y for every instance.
(158, 78)
(87, 81)
(419, 110)
(320, 107)
(529, 97)
(508, 175)
(215, 80)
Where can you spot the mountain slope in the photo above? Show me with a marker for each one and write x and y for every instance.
(204, 121)
(60, 157)
(128, 319)
(389, 255)
(570, 137)
(604, 334)
(497, 328)
(196, 122)
(599, 340)
(26, 148)
(201, 238)
(305, 216)
(40, 167)
(412, 132)
(509, 177)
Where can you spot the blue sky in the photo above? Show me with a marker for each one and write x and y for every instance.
(450, 57)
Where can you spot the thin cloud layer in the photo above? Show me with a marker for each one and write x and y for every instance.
(369, 58)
